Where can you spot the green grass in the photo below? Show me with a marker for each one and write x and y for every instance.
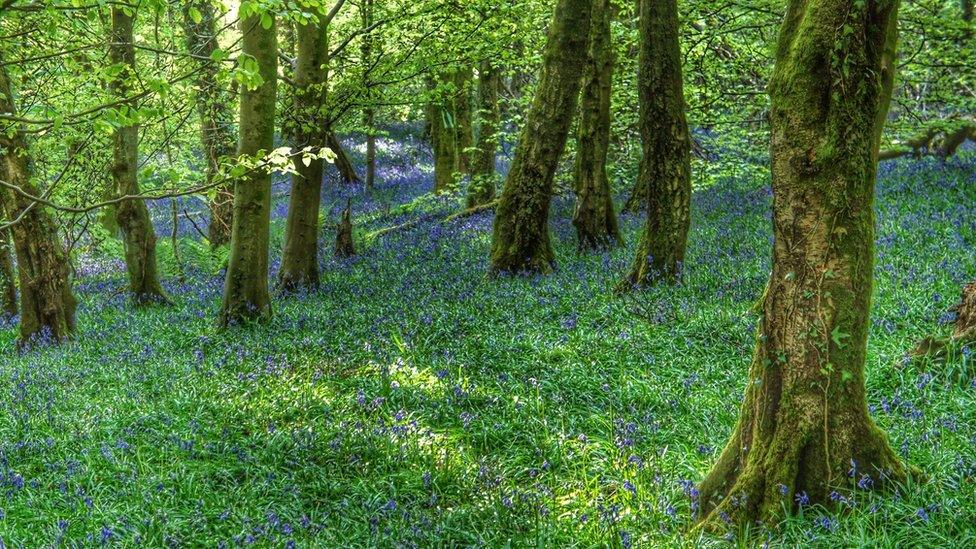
(414, 402)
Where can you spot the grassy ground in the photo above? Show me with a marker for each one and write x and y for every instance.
(412, 402)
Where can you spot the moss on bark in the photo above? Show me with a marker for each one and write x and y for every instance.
(483, 177)
(299, 260)
(138, 233)
(520, 236)
(804, 429)
(246, 295)
(214, 110)
(594, 217)
(665, 167)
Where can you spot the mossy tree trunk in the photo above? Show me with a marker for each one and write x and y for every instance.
(47, 306)
(444, 138)
(520, 237)
(804, 426)
(214, 109)
(246, 295)
(463, 118)
(665, 167)
(594, 217)
(483, 178)
(299, 261)
(8, 282)
(138, 234)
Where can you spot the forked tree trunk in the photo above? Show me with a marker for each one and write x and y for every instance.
(246, 295)
(665, 167)
(8, 283)
(483, 178)
(138, 233)
(463, 122)
(214, 109)
(47, 306)
(520, 237)
(444, 140)
(594, 217)
(299, 260)
(804, 429)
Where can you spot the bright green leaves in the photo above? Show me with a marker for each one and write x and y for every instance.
(838, 337)
(248, 72)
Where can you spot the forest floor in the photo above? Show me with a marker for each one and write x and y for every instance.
(413, 402)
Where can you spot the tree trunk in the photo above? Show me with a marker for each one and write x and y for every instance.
(520, 236)
(665, 167)
(444, 139)
(481, 190)
(342, 161)
(299, 261)
(804, 429)
(369, 114)
(344, 246)
(246, 295)
(214, 109)
(463, 118)
(8, 284)
(47, 306)
(594, 217)
(138, 233)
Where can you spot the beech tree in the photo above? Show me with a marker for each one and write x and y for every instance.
(804, 429)
(246, 293)
(299, 260)
(444, 135)
(520, 235)
(8, 283)
(214, 108)
(665, 166)
(138, 234)
(594, 217)
(483, 177)
(47, 305)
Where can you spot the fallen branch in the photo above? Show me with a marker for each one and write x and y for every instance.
(414, 222)
(939, 142)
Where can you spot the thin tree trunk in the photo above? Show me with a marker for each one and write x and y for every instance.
(804, 431)
(520, 236)
(342, 161)
(47, 306)
(8, 282)
(665, 167)
(138, 233)
(369, 114)
(444, 138)
(214, 109)
(246, 295)
(483, 178)
(594, 217)
(299, 261)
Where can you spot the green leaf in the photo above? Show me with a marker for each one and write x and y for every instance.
(266, 21)
(195, 15)
(838, 336)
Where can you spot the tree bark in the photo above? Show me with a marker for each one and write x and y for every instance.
(8, 283)
(214, 109)
(344, 246)
(665, 167)
(481, 190)
(594, 218)
(520, 236)
(804, 429)
(138, 233)
(342, 161)
(246, 295)
(299, 261)
(369, 114)
(463, 118)
(47, 306)
(444, 139)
